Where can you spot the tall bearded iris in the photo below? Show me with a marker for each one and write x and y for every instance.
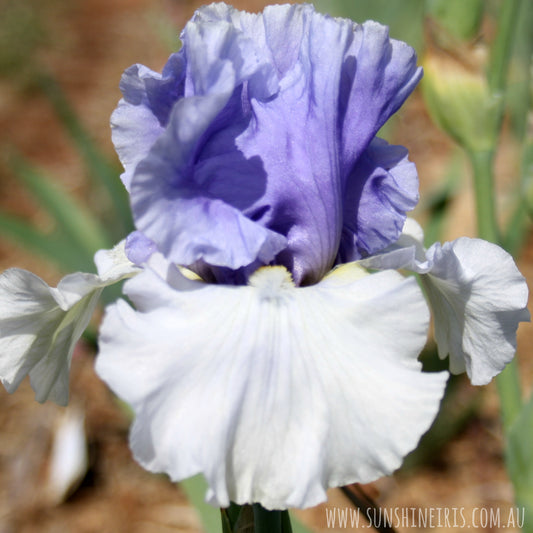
(256, 348)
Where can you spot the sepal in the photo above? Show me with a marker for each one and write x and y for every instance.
(477, 295)
(40, 325)
(292, 391)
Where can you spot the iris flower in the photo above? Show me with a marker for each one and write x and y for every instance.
(268, 341)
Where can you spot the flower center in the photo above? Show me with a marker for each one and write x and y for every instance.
(272, 281)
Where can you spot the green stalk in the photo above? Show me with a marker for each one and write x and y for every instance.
(254, 519)
(271, 521)
(503, 44)
(508, 381)
(484, 190)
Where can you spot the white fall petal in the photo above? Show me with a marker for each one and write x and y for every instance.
(477, 295)
(274, 393)
(40, 325)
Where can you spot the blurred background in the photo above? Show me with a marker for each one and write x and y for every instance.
(61, 199)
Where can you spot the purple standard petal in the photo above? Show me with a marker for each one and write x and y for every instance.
(378, 75)
(382, 186)
(312, 170)
(172, 197)
(266, 158)
(143, 113)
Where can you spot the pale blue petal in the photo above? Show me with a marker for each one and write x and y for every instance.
(171, 200)
(143, 113)
(276, 112)
(139, 248)
(379, 74)
(381, 188)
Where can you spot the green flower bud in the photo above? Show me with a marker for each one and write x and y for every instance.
(459, 101)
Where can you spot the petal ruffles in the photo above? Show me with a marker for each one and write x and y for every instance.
(40, 325)
(477, 295)
(384, 186)
(141, 116)
(266, 131)
(293, 390)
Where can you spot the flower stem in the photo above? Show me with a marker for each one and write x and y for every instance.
(254, 519)
(484, 190)
(508, 381)
(271, 521)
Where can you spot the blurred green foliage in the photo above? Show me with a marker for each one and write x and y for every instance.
(79, 229)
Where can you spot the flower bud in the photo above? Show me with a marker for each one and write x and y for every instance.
(458, 99)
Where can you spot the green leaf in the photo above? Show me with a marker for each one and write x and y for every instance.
(101, 170)
(226, 521)
(518, 98)
(195, 489)
(519, 224)
(76, 223)
(297, 526)
(519, 458)
(51, 247)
